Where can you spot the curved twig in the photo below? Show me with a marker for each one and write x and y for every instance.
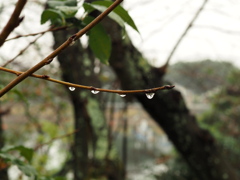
(91, 88)
(22, 51)
(185, 32)
(13, 22)
(42, 32)
(62, 47)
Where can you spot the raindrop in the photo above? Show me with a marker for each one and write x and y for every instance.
(72, 43)
(94, 91)
(150, 95)
(71, 88)
(122, 95)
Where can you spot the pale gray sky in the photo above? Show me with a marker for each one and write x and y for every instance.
(161, 22)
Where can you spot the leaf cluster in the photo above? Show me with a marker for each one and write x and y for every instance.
(63, 12)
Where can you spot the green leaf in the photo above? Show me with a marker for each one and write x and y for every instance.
(119, 14)
(54, 3)
(27, 169)
(67, 10)
(99, 41)
(27, 153)
(55, 16)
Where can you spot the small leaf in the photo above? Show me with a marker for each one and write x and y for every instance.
(68, 11)
(119, 14)
(27, 169)
(55, 16)
(99, 41)
(27, 153)
(54, 3)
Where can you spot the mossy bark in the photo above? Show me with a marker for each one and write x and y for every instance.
(3, 172)
(196, 145)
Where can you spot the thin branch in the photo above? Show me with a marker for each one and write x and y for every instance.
(185, 32)
(13, 22)
(62, 47)
(42, 32)
(22, 51)
(91, 88)
(227, 31)
(56, 138)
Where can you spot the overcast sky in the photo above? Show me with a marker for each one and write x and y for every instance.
(215, 34)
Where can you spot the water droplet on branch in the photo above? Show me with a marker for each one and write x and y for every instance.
(72, 43)
(122, 95)
(95, 91)
(72, 88)
(150, 95)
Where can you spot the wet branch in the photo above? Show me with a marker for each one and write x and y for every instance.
(94, 90)
(62, 47)
(13, 22)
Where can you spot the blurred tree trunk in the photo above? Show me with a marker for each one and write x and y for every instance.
(73, 70)
(3, 172)
(77, 66)
(168, 109)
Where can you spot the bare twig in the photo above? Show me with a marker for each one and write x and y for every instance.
(13, 22)
(42, 32)
(62, 47)
(54, 139)
(91, 88)
(22, 51)
(185, 32)
(227, 31)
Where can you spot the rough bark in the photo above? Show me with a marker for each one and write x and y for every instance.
(3, 172)
(73, 70)
(196, 145)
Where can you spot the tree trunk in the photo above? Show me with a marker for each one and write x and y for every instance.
(3, 172)
(73, 70)
(196, 145)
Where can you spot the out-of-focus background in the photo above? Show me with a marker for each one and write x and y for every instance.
(120, 137)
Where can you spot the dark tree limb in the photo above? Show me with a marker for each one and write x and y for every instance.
(196, 145)
(164, 68)
(13, 22)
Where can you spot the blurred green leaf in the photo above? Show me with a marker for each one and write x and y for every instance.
(119, 14)
(68, 11)
(27, 153)
(54, 3)
(55, 16)
(99, 41)
(27, 169)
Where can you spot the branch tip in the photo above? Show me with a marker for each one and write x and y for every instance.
(48, 61)
(169, 86)
(45, 76)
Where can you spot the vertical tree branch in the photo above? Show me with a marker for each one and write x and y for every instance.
(13, 22)
(185, 32)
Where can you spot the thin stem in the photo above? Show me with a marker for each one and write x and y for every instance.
(62, 47)
(91, 88)
(22, 51)
(42, 32)
(56, 138)
(13, 22)
(185, 31)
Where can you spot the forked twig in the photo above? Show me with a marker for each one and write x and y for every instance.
(22, 51)
(13, 22)
(42, 32)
